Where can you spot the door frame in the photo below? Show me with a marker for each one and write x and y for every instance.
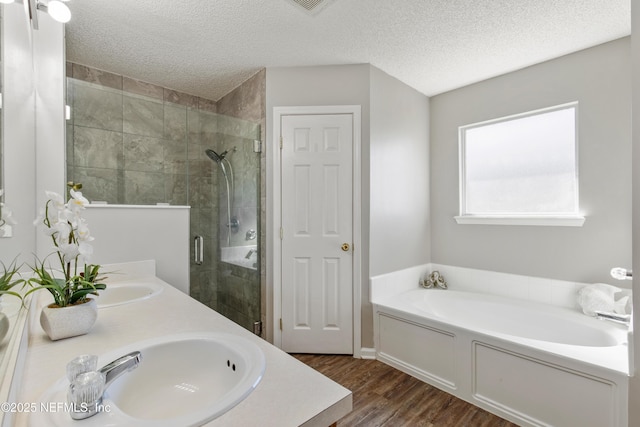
(275, 247)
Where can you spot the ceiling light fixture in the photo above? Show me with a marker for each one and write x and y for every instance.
(6, 1)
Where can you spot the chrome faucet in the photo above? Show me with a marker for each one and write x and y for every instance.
(613, 317)
(120, 366)
(251, 252)
(87, 389)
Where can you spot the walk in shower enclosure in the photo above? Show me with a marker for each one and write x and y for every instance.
(133, 143)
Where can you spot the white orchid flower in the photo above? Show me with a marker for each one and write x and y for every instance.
(69, 251)
(86, 250)
(82, 232)
(77, 200)
(63, 231)
(70, 215)
(50, 231)
(57, 202)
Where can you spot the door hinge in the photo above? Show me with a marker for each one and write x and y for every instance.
(281, 142)
(281, 323)
(257, 146)
(281, 233)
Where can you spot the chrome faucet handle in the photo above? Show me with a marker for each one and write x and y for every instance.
(426, 283)
(85, 394)
(435, 279)
(80, 365)
(438, 280)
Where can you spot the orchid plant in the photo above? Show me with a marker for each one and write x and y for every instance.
(70, 235)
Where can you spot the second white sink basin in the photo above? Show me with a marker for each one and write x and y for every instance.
(127, 292)
(182, 380)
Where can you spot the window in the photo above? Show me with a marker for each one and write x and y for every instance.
(521, 169)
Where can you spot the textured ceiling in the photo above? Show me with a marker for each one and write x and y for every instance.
(208, 47)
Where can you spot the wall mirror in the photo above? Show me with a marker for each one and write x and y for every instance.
(16, 124)
(2, 234)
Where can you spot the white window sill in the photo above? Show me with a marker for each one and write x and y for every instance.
(563, 221)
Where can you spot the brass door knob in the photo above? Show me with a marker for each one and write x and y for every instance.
(345, 247)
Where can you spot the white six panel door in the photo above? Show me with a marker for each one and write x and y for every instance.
(317, 221)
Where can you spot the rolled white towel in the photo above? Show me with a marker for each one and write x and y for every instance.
(623, 305)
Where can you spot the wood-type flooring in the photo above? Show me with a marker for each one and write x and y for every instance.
(385, 396)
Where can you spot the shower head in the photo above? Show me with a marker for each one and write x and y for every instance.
(218, 158)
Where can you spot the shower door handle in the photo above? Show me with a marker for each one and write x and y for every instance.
(198, 250)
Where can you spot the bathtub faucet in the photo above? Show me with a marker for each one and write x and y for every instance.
(251, 252)
(434, 279)
(613, 317)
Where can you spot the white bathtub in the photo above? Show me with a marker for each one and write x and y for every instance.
(531, 363)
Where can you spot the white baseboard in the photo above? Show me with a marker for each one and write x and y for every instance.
(368, 353)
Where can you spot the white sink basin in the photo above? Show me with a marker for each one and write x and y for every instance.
(182, 380)
(127, 292)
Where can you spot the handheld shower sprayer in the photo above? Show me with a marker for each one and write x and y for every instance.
(220, 159)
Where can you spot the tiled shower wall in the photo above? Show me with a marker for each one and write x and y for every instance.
(130, 142)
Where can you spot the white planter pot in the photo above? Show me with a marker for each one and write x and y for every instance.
(71, 321)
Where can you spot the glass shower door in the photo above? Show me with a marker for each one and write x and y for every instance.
(231, 283)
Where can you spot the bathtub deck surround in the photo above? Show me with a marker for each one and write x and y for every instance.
(536, 289)
(289, 393)
(532, 363)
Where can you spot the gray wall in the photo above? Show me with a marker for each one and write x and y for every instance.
(600, 80)
(395, 159)
(399, 227)
(399, 208)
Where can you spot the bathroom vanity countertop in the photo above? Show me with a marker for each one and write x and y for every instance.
(290, 393)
